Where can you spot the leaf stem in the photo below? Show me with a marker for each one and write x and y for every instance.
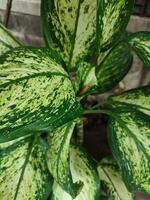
(101, 103)
(99, 111)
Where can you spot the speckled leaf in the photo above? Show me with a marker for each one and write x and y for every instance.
(136, 98)
(140, 42)
(114, 67)
(82, 168)
(7, 41)
(23, 171)
(36, 94)
(111, 180)
(85, 79)
(129, 137)
(58, 158)
(69, 27)
(113, 19)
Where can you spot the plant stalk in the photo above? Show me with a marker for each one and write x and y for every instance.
(7, 13)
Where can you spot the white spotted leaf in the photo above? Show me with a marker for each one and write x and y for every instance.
(23, 171)
(86, 80)
(36, 93)
(70, 28)
(82, 168)
(138, 99)
(140, 42)
(113, 67)
(58, 158)
(111, 180)
(129, 138)
(113, 19)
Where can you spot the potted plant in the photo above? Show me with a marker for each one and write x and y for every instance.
(43, 92)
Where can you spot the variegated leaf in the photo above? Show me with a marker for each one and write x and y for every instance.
(58, 158)
(86, 79)
(23, 171)
(129, 137)
(114, 67)
(140, 42)
(36, 94)
(7, 41)
(70, 28)
(136, 98)
(113, 19)
(111, 180)
(82, 168)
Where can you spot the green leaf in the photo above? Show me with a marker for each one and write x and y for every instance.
(113, 19)
(36, 94)
(82, 168)
(85, 78)
(23, 171)
(114, 67)
(111, 180)
(58, 158)
(136, 98)
(70, 27)
(129, 137)
(140, 42)
(7, 41)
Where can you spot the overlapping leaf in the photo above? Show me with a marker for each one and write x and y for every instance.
(140, 42)
(129, 136)
(7, 41)
(129, 139)
(58, 158)
(23, 171)
(82, 168)
(70, 27)
(138, 99)
(111, 180)
(86, 79)
(114, 67)
(113, 19)
(35, 94)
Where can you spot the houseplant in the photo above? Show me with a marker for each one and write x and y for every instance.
(42, 99)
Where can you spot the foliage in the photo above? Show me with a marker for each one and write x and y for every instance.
(42, 96)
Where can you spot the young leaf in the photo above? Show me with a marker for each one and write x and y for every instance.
(136, 98)
(36, 94)
(7, 41)
(69, 27)
(113, 67)
(111, 180)
(130, 143)
(82, 168)
(23, 171)
(58, 158)
(113, 19)
(140, 42)
(85, 79)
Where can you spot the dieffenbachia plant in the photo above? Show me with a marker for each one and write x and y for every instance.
(42, 96)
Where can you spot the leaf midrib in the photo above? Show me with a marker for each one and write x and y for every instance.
(48, 74)
(130, 104)
(123, 125)
(74, 35)
(30, 148)
(111, 183)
